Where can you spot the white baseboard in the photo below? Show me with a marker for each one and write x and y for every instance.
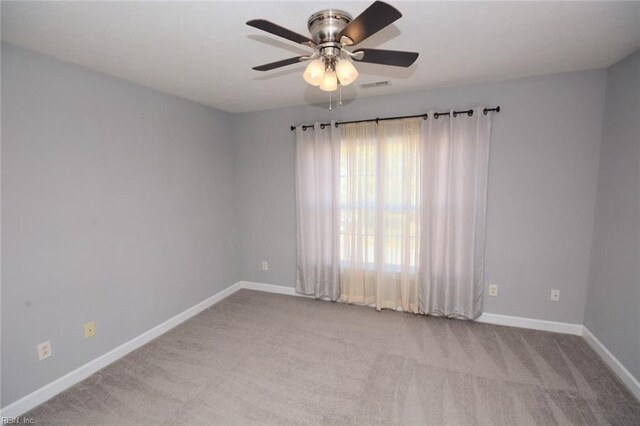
(534, 324)
(530, 323)
(50, 390)
(620, 370)
(270, 288)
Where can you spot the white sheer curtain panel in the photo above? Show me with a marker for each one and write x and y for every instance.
(455, 158)
(379, 213)
(316, 186)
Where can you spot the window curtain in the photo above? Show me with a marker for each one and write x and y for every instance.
(455, 160)
(316, 185)
(379, 213)
(393, 213)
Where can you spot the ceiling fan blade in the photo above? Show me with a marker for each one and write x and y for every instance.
(275, 29)
(395, 58)
(373, 19)
(282, 63)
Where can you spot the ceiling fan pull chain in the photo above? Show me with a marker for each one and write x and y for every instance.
(329, 101)
(340, 94)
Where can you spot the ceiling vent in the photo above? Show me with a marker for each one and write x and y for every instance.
(376, 84)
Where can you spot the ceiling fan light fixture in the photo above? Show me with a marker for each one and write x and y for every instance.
(314, 72)
(330, 32)
(329, 81)
(346, 72)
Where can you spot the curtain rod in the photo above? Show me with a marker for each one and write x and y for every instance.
(469, 112)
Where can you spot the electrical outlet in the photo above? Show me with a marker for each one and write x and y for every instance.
(265, 265)
(555, 295)
(89, 329)
(44, 350)
(493, 290)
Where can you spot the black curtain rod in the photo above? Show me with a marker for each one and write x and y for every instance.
(469, 112)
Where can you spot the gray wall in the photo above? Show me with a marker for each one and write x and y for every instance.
(542, 185)
(613, 306)
(117, 206)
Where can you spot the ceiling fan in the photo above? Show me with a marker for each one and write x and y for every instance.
(331, 32)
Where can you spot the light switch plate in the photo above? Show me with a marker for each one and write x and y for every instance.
(89, 329)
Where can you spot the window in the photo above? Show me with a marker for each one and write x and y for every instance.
(378, 199)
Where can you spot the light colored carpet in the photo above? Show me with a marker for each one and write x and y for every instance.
(259, 358)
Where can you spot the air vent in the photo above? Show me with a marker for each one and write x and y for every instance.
(376, 84)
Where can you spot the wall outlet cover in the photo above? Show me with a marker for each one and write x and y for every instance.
(265, 265)
(555, 295)
(44, 350)
(493, 290)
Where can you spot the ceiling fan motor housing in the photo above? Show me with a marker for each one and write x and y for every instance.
(324, 27)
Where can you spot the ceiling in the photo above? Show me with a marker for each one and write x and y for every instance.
(203, 51)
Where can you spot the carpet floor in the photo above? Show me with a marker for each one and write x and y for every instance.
(260, 358)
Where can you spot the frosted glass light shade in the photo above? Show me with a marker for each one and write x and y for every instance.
(347, 73)
(314, 72)
(329, 81)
